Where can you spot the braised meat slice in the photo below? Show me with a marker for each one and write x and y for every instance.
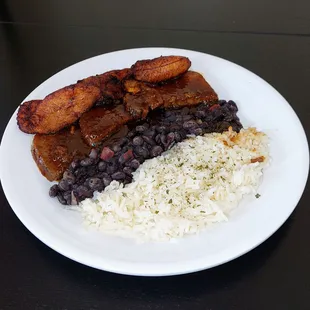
(160, 69)
(141, 102)
(101, 122)
(53, 153)
(188, 90)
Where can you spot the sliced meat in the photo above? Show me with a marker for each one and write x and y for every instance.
(140, 104)
(111, 84)
(99, 123)
(188, 90)
(160, 69)
(53, 153)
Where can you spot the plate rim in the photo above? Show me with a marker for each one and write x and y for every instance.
(141, 272)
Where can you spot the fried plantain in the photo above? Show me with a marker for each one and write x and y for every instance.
(66, 105)
(160, 69)
(57, 110)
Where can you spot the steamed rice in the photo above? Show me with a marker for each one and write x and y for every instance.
(196, 183)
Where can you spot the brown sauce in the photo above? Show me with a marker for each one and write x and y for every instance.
(53, 153)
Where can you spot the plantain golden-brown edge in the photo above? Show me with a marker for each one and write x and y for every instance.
(57, 110)
(160, 69)
(66, 105)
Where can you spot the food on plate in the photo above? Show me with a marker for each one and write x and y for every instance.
(100, 122)
(66, 105)
(111, 86)
(58, 110)
(148, 151)
(54, 153)
(188, 90)
(196, 183)
(160, 69)
(118, 158)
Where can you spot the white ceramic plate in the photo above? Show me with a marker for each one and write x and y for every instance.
(252, 223)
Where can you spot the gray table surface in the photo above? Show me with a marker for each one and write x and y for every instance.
(270, 38)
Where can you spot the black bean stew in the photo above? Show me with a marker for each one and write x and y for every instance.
(119, 159)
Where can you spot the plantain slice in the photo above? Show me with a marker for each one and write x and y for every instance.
(160, 69)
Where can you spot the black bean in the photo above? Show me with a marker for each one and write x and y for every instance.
(116, 148)
(192, 110)
(134, 164)
(69, 177)
(187, 117)
(169, 113)
(67, 197)
(195, 131)
(91, 171)
(86, 162)
(131, 133)
(228, 117)
(127, 170)
(179, 119)
(157, 138)
(216, 114)
(141, 151)
(149, 133)
(149, 140)
(106, 181)
(93, 154)
(95, 184)
(189, 124)
(102, 166)
(156, 151)
(83, 192)
(81, 171)
(137, 140)
(140, 159)
(222, 102)
(141, 128)
(185, 111)
(112, 167)
(118, 176)
(183, 134)
(61, 199)
(204, 125)
(232, 106)
(175, 127)
(102, 175)
(64, 185)
(177, 137)
(54, 190)
(163, 139)
(75, 186)
(123, 141)
(161, 129)
(171, 118)
(200, 114)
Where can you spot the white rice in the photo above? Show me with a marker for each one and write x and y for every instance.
(194, 184)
